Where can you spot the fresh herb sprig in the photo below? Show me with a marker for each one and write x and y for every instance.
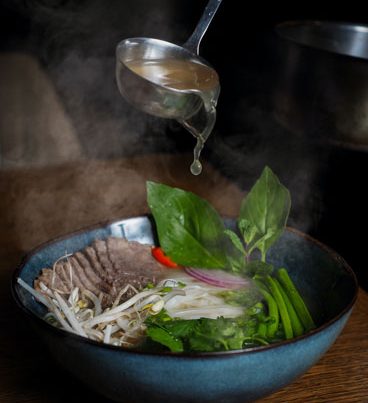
(221, 334)
(192, 233)
(190, 230)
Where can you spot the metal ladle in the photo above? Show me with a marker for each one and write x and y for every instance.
(155, 99)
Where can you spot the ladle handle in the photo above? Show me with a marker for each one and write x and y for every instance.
(192, 44)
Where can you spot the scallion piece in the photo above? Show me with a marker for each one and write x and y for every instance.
(285, 319)
(273, 311)
(296, 324)
(295, 298)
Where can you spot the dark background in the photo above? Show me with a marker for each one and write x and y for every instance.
(74, 42)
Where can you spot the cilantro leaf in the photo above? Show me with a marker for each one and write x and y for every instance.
(162, 336)
(203, 334)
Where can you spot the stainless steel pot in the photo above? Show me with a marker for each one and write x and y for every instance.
(322, 81)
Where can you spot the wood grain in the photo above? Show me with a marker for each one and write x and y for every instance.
(42, 203)
(342, 374)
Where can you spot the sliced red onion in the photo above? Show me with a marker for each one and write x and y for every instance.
(217, 277)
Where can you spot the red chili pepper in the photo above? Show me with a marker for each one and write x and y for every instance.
(160, 256)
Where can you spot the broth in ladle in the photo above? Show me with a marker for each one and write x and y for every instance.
(188, 76)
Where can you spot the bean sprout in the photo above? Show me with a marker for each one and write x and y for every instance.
(122, 323)
(70, 271)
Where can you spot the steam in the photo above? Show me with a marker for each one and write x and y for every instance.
(71, 58)
(263, 141)
(62, 117)
(72, 48)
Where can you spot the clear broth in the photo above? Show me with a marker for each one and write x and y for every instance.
(185, 75)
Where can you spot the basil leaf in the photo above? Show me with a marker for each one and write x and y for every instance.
(190, 230)
(259, 243)
(235, 240)
(264, 212)
(248, 230)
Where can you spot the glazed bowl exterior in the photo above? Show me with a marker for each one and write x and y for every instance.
(325, 281)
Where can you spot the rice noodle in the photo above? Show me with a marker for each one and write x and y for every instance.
(212, 312)
(173, 294)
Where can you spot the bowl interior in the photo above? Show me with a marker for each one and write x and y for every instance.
(324, 280)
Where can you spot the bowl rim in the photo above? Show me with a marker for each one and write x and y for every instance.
(203, 355)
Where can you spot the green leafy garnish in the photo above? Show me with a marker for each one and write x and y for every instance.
(234, 238)
(296, 324)
(257, 267)
(246, 297)
(193, 234)
(204, 334)
(296, 299)
(264, 212)
(190, 230)
(272, 309)
(163, 337)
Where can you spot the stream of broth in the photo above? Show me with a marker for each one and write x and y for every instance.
(189, 76)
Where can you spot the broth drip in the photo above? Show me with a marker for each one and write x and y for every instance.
(192, 77)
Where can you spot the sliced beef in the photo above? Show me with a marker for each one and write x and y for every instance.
(82, 273)
(92, 274)
(101, 251)
(105, 268)
(63, 270)
(75, 279)
(132, 258)
(91, 254)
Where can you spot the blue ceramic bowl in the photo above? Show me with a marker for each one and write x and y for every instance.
(326, 283)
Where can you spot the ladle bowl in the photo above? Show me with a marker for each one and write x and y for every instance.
(146, 95)
(151, 97)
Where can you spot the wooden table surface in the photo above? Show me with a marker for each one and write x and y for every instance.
(39, 204)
